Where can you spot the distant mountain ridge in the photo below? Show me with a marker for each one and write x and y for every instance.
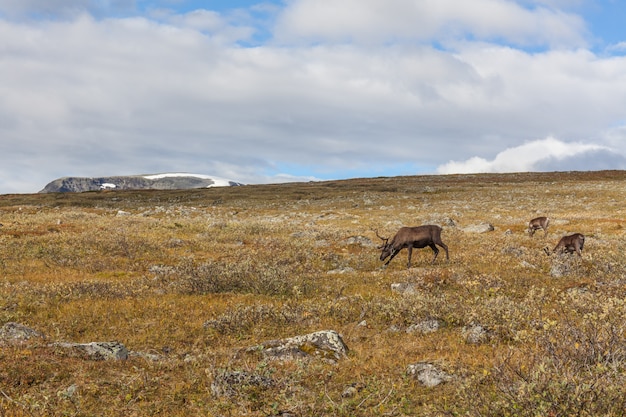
(166, 181)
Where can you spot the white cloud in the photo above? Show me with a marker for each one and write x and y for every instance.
(549, 154)
(375, 21)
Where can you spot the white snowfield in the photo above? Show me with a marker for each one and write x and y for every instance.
(217, 181)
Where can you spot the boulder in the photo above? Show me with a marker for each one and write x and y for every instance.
(326, 345)
(96, 350)
(15, 333)
(427, 374)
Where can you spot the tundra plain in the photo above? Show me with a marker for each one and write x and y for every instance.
(189, 280)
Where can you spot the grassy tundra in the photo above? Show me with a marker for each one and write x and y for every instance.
(191, 279)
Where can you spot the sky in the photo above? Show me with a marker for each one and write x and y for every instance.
(301, 90)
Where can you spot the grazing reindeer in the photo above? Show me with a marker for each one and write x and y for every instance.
(538, 223)
(570, 244)
(412, 237)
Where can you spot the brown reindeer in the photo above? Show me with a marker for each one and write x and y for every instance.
(538, 223)
(412, 237)
(570, 244)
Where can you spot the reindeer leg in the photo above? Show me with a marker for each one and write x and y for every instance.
(445, 247)
(434, 248)
(410, 249)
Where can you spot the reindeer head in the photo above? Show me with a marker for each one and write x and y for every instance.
(385, 247)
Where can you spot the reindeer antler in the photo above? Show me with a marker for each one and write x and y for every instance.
(384, 239)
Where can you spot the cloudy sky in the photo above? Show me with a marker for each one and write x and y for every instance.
(283, 90)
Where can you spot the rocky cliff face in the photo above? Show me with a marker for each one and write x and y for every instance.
(136, 182)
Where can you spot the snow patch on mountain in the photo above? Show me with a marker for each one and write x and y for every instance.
(217, 181)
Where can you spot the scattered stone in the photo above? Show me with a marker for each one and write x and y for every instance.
(448, 222)
(122, 213)
(405, 288)
(326, 345)
(427, 374)
(359, 240)
(15, 333)
(352, 390)
(153, 357)
(68, 393)
(230, 384)
(430, 325)
(527, 265)
(479, 228)
(175, 243)
(340, 270)
(97, 350)
(513, 251)
(476, 334)
(394, 328)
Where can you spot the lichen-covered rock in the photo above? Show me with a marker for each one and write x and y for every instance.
(429, 325)
(327, 345)
(476, 334)
(96, 350)
(405, 288)
(230, 384)
(16, 333)
(427, 374)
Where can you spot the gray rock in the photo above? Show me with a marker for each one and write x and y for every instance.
(352, 390)
(97, 350)
(15, 333)
(427, 374)
(343, 270)
(479, 228)
(359, 240)
(326, 345)
(476, 334)
(406, 288)
(230, 384)
(430, 325)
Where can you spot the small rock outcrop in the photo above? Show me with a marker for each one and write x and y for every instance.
(230, 384)
(96, 350)
(15, 333)
(326, 345)
(476, 334)
(426, 326)
(404, 288)
(427, 374)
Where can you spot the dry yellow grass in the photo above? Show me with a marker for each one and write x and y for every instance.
(197, 276)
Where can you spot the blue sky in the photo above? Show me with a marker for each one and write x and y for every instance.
(299, 90)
